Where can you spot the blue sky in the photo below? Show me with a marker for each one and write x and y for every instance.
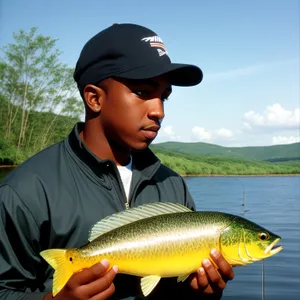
(248, 51)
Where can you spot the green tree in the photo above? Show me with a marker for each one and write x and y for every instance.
(32, 78)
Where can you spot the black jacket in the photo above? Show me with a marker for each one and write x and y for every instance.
(52, 200)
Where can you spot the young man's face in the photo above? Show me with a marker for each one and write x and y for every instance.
(132, 111)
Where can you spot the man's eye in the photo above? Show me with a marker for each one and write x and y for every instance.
(147, 94)
(142, 93)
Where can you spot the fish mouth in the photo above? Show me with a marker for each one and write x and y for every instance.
(273, 248)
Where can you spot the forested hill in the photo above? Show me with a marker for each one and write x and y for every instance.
(267, 153)
(192, 164)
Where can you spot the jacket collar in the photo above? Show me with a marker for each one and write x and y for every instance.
(145, 161)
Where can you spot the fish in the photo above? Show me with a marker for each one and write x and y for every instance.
(162, 239)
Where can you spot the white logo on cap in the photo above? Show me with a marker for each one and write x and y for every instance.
(156, 42)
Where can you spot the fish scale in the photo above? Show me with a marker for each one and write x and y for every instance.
(162, 237)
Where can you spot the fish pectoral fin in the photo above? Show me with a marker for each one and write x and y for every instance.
(182, 277)
(148, 283)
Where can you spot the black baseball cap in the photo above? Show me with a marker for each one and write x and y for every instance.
(130, 51)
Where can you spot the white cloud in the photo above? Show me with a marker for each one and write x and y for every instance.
(167, 134)
(200, 134)
(246, 126)
(274, 116)
(224, 133)
(239, 138)
(168, 130)
(276, 140)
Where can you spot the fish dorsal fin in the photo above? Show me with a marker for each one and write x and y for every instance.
(134, 214)
(148, 283)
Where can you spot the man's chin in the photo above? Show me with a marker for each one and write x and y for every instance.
(141, 146)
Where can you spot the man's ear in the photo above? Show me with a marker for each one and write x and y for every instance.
(93, 96)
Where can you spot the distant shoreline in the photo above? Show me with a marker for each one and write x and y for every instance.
(206, 175)
(239, 175)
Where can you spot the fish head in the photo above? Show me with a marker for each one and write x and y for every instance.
(244, 242)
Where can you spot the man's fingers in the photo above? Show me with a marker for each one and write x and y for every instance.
(88, 275)
(202, 279)
(101, 284)
(224, 267)
(213, 275)
(105, 294)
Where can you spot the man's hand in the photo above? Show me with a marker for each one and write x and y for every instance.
(91, 283)
(208, 280)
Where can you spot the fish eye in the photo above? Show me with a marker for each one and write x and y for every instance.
(263, 236)
(71, 259)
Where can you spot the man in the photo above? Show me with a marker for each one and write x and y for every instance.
(124, 75)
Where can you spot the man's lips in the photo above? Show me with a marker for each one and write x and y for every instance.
(150, 131)
(154, 128)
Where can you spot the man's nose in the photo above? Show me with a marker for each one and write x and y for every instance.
(156, 110)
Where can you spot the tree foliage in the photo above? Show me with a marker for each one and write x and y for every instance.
(186, 164)
(271, 153)
(32, 79)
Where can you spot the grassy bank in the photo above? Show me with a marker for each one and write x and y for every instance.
(193, 165)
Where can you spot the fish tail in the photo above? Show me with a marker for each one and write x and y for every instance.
(56, 258)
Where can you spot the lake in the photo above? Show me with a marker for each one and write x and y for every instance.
(274, 203)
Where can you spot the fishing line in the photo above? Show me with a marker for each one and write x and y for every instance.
(244, 210)
(244, 197)
(263, 261)
(263, 279)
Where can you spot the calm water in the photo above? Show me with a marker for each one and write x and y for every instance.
(273, 202)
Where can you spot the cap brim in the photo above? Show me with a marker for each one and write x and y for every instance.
(178, 74)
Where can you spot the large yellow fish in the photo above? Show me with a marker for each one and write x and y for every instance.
(163, 240)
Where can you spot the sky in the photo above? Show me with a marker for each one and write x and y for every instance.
(249, 52)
